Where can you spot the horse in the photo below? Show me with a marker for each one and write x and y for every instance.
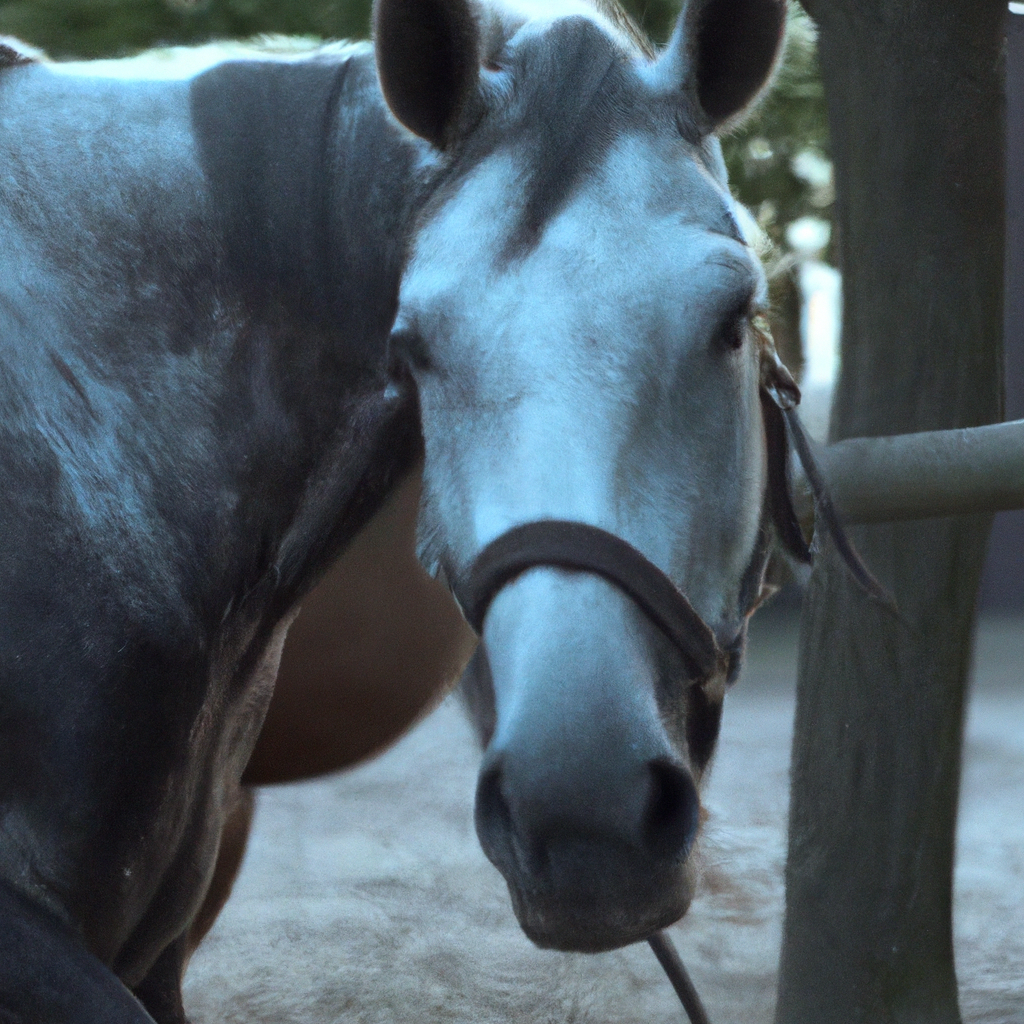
(493, 257)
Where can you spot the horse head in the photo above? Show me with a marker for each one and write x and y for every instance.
(582, 316)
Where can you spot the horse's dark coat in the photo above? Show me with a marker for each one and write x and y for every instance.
(283, 169)
(193, 422)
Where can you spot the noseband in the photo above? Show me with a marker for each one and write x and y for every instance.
(586, 548)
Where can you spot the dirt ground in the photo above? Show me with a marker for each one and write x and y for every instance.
(365, 897)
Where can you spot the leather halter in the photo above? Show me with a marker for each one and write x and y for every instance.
(580, 546)
(572, 545)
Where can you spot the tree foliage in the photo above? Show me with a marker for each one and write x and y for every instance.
(779, 158)
(111, 28)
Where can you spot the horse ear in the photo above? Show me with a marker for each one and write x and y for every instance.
(427, 61)
(722, 54)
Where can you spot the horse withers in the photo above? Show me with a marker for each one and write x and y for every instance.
(238, 306)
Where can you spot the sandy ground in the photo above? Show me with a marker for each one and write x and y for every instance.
(365, 897)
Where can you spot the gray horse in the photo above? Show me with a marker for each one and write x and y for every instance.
(237, 307)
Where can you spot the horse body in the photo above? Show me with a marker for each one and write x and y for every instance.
(196, 421)
(236, 308)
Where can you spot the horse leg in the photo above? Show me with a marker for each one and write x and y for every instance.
(233, 841)
(48, 977)
(160, 990)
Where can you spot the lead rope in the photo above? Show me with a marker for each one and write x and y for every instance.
(668, 957)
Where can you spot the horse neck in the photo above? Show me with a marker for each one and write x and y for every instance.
(316, 188)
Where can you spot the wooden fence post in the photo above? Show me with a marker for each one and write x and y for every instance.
(915, 98)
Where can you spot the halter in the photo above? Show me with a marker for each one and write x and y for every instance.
(582, 547)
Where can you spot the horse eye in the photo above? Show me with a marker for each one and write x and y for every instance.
(732, 332)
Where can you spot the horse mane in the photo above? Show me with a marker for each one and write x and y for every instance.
(14, 53)
(621, 19)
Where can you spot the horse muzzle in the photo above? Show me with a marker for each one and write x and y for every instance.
(588, 875)
(585, 802)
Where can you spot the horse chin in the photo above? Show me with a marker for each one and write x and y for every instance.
(595, 919)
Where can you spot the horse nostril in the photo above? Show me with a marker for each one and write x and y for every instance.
(492, 814)
(672, 813)
(499, 837)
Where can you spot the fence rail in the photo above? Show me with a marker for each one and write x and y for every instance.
(920, 476)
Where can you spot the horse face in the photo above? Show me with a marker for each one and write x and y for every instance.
(576, 313)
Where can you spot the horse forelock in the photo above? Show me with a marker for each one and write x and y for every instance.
(619, 17)
(500, 20)
(567, 90)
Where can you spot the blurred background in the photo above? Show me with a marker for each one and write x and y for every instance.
(779, 164)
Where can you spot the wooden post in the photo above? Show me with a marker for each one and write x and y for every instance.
(1003, 583)
(915, 99)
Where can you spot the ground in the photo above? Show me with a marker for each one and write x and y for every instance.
(365, 897)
